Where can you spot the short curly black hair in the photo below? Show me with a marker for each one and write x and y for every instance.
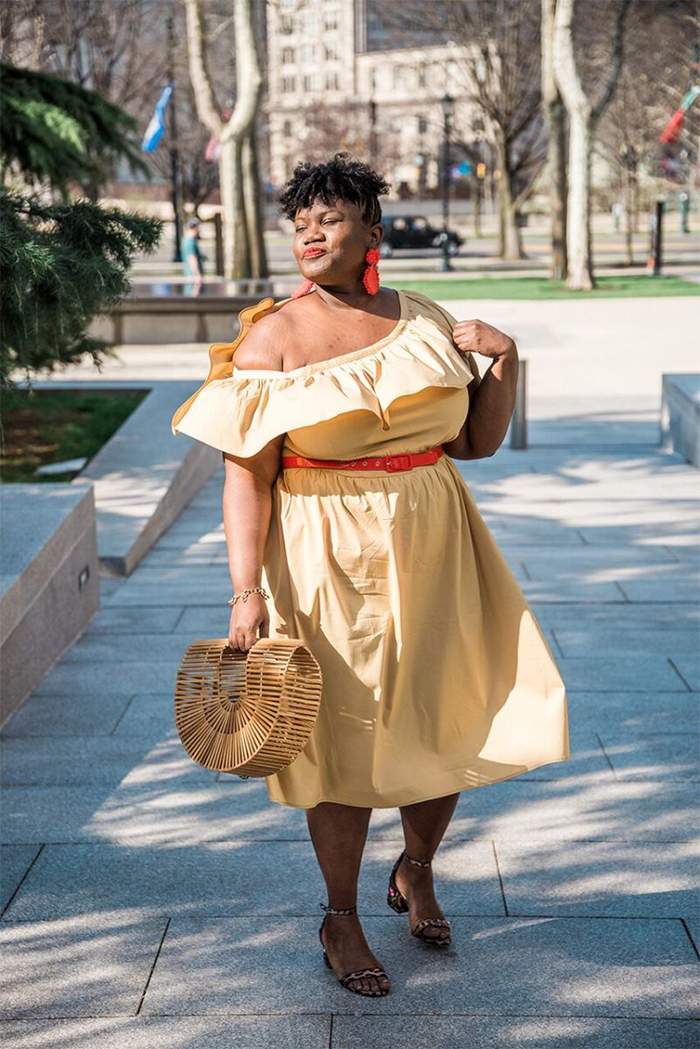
(342, 178)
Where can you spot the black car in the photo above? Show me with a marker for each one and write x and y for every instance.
(414, 232)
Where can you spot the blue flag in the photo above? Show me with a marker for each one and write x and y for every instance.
(156, 126)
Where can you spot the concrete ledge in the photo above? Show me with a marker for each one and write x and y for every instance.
(49, 583)
(144, 476)
(160, 319)
(680, 415)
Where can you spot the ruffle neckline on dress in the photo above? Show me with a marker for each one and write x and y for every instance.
(240, 414)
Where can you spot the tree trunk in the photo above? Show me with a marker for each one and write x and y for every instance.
(236, 249)
(509, 238)
(629, 215)
(578, 219)
(554, 112)
(580, 276)
(254, 211)
(583, 119)
(477, 208)
(237, 223)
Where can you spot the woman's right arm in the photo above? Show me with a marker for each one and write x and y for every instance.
(247, 505)
(247, 499)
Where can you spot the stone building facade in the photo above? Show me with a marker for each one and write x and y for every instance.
(335, 81)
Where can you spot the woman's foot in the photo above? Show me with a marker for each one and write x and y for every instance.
(416, 885)
(348, 951)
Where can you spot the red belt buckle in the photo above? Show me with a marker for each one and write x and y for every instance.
(398, 462)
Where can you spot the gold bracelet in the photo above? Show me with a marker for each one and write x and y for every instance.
(244, 594)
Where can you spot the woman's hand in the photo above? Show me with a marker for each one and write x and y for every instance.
(477, 336)
(247, 618)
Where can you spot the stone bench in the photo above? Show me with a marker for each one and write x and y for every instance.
(49, 581)
(680, 414)
(146, 317)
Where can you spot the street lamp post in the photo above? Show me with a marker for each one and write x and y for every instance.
(447, 111)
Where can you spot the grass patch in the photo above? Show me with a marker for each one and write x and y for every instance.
(49, 426)
(640, 286)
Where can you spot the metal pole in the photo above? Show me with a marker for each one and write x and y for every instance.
(174, 157)
(518, 423)
(373, 131)
(655, 260)
(219, 244)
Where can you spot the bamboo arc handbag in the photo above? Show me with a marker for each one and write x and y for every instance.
(247, 713)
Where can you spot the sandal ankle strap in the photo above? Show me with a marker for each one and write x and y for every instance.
(417, 863)
(338, 910)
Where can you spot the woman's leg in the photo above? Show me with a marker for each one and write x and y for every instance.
(338, 834)
(424, 825)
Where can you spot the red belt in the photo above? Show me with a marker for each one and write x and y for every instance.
(390, 463)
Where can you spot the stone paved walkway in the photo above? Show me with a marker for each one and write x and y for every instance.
(149, 903)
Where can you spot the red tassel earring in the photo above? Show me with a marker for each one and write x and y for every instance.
(303, 289)
(370, 278)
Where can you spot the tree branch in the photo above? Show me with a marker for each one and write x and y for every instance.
(616, 62)
(205, 101)
(248, 76)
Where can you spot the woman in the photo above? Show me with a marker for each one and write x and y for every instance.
(436, 675)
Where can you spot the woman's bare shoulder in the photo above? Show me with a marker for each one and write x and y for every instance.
(263, 346)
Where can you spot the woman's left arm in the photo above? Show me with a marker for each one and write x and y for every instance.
(492, 402)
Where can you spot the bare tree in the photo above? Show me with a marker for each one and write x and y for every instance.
(501, 62)
(650, 86)
(244, 249)
(584, 115)
(555, 116)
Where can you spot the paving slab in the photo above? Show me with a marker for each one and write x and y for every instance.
(232, 878)
(97, 678)
(133, 620)
(665, 617)
(660, 589)
(162, 806)
(688, 666)
(602, 878)
(171, 593)
(119, 648)
(67, 713)
(657, 756)
(149, 715)
(611, 673)
(590, 640)
(628, 717)
(91, 760)
(87, 966)
(587, 764)
(567, 811)
(508, 1032)
(160, 1032)
(15, 861)
(584, 967)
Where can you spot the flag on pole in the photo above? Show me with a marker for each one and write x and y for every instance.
(675, 125)
(156, 126)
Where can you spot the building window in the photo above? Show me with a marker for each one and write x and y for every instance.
(331, 54)
(330, 22)
(287, 127)
(287, 55)
(422, 125)
(332, 82)
(288, 84)
(286, 25)
(421, 75)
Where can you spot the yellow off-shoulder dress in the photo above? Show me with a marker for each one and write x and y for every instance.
(436, 675)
